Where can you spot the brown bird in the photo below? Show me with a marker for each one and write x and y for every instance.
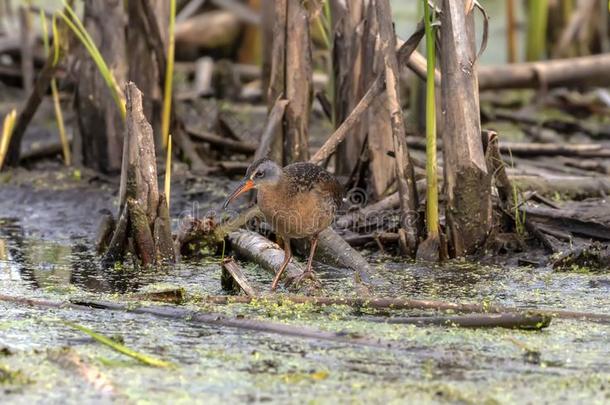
(298, 201)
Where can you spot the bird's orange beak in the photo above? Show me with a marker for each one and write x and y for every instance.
(244, 186)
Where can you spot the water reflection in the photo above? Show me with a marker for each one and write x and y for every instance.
(49, 265)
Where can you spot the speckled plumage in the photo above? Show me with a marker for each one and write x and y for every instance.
(298, 201)
(302, 203)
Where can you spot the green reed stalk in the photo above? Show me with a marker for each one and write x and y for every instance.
(169, 75)
(536, 29)
(432, 221)
(168, 170)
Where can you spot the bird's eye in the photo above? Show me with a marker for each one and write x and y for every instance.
(259, 175)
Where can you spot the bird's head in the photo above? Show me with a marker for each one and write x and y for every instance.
(261, 173)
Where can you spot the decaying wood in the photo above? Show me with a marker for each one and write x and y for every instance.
(587, 70)
(596, 225)
(208, 318)
(528, 321)
(298, 87)
(576, 187)
(551, 149)
(98, 142)
(348, 35)
(233, 278)
(405, 177)
(291, 78)
(143, 215)
(176, 296)
(145, 68)
(213, 29)
(467, 180)
(382, 167)
(139, 159)
(260, 250)
(221, 141)
(409, 304)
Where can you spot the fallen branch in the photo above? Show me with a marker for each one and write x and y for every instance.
(406, 304)
(208, 318)
(529, 321)
(587, 70)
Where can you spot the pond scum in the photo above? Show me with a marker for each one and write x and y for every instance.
(468, 258)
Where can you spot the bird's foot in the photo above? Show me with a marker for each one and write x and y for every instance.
(306, 275)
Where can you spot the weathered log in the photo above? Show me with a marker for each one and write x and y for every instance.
(408, 304)
(208, 318)
(467, 180)
(550, 149)
(571, 72)
(213, 29)
(233, 278)
(260, 250)
(528, 321)
(575, 187)
(221, 142)
(572, 220)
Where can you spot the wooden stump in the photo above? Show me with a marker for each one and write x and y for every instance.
(143, 228)
(467, 180)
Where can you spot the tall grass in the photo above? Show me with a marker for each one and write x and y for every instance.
(75, 24)
(65, 146)
(432, 221)
(536, 29)
(7, 132)
(169, 75)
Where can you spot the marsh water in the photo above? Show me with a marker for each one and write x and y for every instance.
(47, 229)
(48, 223)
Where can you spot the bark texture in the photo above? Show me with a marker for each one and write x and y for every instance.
(99, 119)
(467, 180)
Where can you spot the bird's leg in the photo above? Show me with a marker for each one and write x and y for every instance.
(309, 273)
(287, 257)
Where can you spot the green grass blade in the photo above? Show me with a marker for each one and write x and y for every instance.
(74, 23)
(144, 358)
